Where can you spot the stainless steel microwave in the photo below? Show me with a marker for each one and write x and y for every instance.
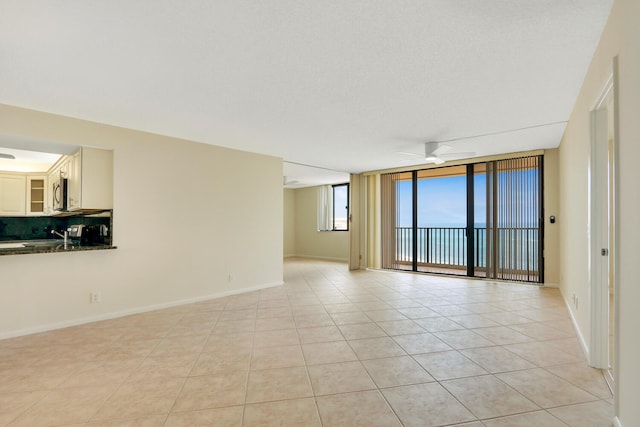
(59, 194)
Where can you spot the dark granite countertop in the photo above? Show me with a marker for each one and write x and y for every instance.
(19, 247)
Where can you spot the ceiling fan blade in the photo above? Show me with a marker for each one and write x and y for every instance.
(459, 155)
(408, 154)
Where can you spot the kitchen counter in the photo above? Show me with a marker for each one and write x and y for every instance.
(19, 247)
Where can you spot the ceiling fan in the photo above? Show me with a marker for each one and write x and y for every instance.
(436, 152)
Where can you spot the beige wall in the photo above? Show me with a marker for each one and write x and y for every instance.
(621, 37)
(289, 222)
(186, 217)
(309, 242)
(551, 207)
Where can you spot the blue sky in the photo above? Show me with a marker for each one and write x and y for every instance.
(441, 202)
(341, 201)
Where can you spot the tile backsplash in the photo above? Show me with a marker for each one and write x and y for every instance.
(39, 227)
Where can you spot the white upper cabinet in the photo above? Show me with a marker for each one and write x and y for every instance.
(74, 181)
(90, 179)
(13, 195)
(36, 195)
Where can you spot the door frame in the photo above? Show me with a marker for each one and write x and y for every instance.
(603, 220)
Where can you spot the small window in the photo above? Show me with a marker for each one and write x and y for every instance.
(333, 207)
(341, 207)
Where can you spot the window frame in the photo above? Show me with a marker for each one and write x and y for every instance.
(333, 210)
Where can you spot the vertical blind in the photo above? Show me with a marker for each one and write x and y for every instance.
(388, 219)
(514, 214)
(325, 208)
(390, 215)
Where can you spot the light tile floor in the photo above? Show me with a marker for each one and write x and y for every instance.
(329, 348)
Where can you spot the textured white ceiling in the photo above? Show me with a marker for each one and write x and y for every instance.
(338, 84)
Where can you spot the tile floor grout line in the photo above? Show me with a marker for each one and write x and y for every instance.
(360, 294)
(190, 371)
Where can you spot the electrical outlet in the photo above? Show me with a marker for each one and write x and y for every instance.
(95, 297)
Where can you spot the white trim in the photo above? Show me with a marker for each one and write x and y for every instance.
(605, 94)
(576, 326)
(325, 258)
(137, 310)
(617, 422)
(608, 377)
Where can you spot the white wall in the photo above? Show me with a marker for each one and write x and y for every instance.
(621, 37)
(309, 242)
(186, 216)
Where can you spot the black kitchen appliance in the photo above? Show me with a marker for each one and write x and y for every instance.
(59, 194)
(88, 234)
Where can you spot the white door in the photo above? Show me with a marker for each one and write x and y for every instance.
(603, 202)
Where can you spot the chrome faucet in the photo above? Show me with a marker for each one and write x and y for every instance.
(65, 236)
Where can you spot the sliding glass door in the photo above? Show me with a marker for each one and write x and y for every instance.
(478, 220)
(442, 220)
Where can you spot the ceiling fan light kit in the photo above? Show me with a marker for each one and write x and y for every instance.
(434, 159)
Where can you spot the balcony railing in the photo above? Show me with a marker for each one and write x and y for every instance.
(446, 247)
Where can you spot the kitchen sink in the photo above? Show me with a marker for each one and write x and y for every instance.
(45, 242)
(50, 243)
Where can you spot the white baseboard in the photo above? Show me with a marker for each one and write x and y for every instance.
(128, 312)
(617, 422)
(583, 343)
(324, 258)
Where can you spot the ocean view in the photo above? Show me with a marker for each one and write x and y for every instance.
(447, 245)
